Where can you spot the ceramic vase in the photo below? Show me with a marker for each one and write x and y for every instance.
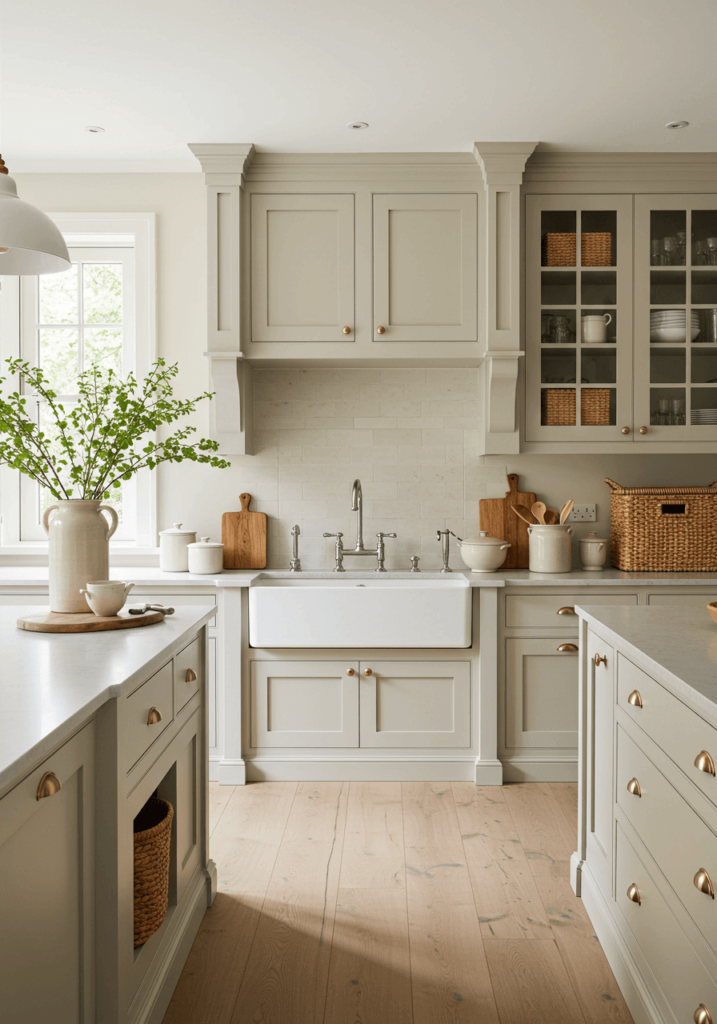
(549, 548)
(79, 550)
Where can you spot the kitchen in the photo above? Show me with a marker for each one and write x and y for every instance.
(402, 310)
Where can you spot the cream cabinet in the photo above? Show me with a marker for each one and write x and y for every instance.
(600, 712)
(541, 695)
(47, 904)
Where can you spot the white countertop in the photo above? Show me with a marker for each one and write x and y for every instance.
(30, 576)
(50, 682)
(676, 646)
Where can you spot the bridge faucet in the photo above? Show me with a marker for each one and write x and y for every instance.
(295, 563)
(357, 506)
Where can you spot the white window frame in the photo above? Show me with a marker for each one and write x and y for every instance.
(13, 491)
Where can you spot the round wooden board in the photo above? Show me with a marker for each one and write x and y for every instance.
(85, 622)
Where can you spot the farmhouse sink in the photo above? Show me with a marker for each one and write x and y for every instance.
(360, 613)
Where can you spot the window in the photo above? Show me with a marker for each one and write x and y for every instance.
(99, 312)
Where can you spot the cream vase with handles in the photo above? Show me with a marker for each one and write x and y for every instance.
(549, 548)
(79, 550)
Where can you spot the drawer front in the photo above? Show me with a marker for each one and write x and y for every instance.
(681, 974)
(675, 835)
(543, 611)
(678, 730)
(138, 735)
(679, 600)
(187, 673)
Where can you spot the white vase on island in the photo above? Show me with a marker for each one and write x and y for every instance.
(79, 537)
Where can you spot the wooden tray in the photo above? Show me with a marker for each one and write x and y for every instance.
(85, 622)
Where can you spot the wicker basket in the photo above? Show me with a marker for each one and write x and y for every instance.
(595, 407)
(596, 248)
(663, 529)
(152, 837)
(558, 407)
(559, 250)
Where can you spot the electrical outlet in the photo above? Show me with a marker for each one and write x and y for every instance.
(582, 514)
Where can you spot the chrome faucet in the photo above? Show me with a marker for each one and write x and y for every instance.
(379, 553)
(295, 563)
(357, 506)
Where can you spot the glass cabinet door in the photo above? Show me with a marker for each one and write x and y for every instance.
(676, 318)
(579, 318)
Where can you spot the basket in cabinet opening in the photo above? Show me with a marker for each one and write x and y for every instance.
(152, 841)
(663, 529)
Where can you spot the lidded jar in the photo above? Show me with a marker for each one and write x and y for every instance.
(593, 552)
(549, 548)
(206, 556)
(483, 553)
(173, 546)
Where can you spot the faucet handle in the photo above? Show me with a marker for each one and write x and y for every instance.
(333, 535)
(381, 535)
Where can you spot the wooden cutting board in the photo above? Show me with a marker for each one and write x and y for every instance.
(499, 519)
(244, 537)
(85, 622)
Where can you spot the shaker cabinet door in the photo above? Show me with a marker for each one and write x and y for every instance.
(424, 263)
(302, 267)
(541, 694)
(304, 704)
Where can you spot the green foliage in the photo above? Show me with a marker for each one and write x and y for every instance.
(104, 437)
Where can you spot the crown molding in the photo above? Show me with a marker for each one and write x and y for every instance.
(358, 167)
(223, 157)
(502, 163)
(660, 168)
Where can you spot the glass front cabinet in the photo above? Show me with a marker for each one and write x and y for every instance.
(621, 327)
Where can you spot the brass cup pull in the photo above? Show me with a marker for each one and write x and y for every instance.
(702, 1015)
(368, 671)
(49, 785)
(380, 330)
(633, 787)
(350, 671)
(705, 763)
(567, 610)
(625, 430)
(643, 430)
(635, 699)
(191, 675)
(703, 882)
(633, 893)
(600, 661)
(568, 647)
(347, 330)
(154, 716)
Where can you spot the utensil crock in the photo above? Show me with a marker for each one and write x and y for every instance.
(549, 548)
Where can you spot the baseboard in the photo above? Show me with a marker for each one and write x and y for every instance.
(267, 769)
(540, 771)
(231, 773)
(488, 773)
(214, 763)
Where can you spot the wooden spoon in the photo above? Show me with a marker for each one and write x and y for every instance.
(566, 510)
(538, 510)
(550, 517)
(525, 514)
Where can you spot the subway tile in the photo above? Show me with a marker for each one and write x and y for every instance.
(447, 374)
(384, 392)
(442, 507)
(457, 389)
(302, 437)
(471, 510)
(414, 422)
(372, 526)
(411, 490)
(400, 408)
(329, 423)
(396, 437)
(298, 471)
(291, 489)
(383, 509)
(375, 422)
(455, 488)
(356, 406)
(371, 454)
(472, 438)
(402, 375)
(452, 437)
(456, 422)
(290, 454)
(398, 472)
(418, 455)
(269, 506)
(330, 455)
(454, 454)
(475, 489)
(329, 488)
(318, 527)
(384, 489)
(294, 509)
(350, 438)
(266, 438)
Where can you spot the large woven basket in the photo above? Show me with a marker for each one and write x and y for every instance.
(596, 248)
(152, 838)
(558, 407)
(663, 529)
(595, 407)
(559, 249)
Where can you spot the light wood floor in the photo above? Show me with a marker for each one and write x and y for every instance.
(392, 903)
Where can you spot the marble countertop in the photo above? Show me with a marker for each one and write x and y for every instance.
(676, 646)
(33, 576)
(53, 682)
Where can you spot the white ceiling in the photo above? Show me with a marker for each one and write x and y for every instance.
(288, 75)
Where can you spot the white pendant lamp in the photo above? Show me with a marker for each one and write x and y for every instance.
(30, 243)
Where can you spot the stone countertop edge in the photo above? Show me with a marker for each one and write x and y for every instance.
(31, 724)
(680, 632)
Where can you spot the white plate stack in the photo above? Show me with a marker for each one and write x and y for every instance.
(669, 325)
(704, 417)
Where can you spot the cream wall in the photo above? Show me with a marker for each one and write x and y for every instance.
(408, 433)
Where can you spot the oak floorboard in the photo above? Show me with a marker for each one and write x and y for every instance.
(483, 811)
(210, 980)
(373, 856)
(530, 983)
(247, 839)
(544, 832)
(592, 979)
(566, 795)
(218, 800)
(506, 897)
(432, 839)
(370, 971)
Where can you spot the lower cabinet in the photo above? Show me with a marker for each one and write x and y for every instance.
(415, 704)
(304, 704)
(541, 694)
(47, 907)
(600, 712)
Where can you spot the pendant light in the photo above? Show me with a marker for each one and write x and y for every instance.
(30, 243)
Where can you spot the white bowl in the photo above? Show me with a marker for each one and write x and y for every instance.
(483, 553)
(672, 333)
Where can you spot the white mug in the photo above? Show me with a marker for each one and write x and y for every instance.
(594, 328)
(106, 597)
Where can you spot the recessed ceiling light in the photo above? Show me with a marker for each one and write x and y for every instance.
(93, 128)
(677, 124)
(357, 125)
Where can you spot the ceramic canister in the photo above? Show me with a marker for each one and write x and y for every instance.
(173, 546)
(206, 557)
(483, 553)
(549, 548)
(593, 551)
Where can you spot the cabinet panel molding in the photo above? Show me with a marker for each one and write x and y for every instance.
(304, 704)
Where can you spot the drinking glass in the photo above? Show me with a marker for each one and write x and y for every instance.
(663, 412)
(701, 250)
(670, 245)
(656, 252)
(561, 330)
(678, 412)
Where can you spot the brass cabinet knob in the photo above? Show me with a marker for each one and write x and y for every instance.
(49, 785)
(380, 330)
(643, 430)
(703, 882)
(633, 893)
(567, 610)
(635, 699)
(350, 671)
(154, 716)
(368, 671)
(633, 787)
(567, 647)
(191, 675)
(347, 330)
(625, 430)
(600, 660)
(702, 1015)
(705, 763)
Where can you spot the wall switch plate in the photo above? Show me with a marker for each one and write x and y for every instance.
(582, 514)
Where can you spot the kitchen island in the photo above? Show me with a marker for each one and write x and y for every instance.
(646, 862)
(91, 726)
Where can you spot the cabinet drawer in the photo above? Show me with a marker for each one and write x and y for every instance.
(675, 835)
(679, 600)
(187, 673)
(678, 730)
(542, 611)
(138, 734)
(682, 976)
